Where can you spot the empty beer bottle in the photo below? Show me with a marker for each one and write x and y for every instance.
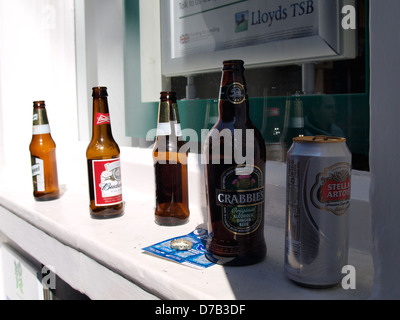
(293, 123)
(103, 158)
(43, 156)
(235, 186)
(170, 165)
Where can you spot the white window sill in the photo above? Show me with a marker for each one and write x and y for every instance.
(104, 260)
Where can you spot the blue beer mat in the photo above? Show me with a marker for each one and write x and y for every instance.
(195, 257)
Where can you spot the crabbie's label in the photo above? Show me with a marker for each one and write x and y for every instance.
(241, 199)
(332, 189)
(107, 182)
(234, 93)
(102, 118)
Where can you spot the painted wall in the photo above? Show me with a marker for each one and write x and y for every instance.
(37, 62)
(385, 152)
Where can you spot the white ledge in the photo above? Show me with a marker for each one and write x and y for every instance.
(104, 260)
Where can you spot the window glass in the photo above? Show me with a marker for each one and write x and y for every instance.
(336, 104)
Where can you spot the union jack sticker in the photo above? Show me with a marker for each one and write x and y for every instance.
(184, 38)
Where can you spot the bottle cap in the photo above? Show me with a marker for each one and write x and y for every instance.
(181, 244)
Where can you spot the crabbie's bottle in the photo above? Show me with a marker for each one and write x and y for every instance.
(235, 186)
(103, 158)
(43, 156)
(170, 166)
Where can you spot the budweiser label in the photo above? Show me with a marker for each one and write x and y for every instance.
(102, 118)
(107, 182)
(241, 199)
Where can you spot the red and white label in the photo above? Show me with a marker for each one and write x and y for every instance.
(332, 189)
(102, 118)
(107, 182)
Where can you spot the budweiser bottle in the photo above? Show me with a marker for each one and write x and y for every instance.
(103, 158)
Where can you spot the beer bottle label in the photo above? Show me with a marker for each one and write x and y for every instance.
(241, 199)
(163, 126)
(165, 122)
(164, 129)
(332, 189)
(107, 182)
(296, 122)
(178, 130)
(38, 174)
(234, 93)
(176, 120)
(102, 118)
(40, 122)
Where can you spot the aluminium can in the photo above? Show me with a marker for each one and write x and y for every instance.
(318, 194)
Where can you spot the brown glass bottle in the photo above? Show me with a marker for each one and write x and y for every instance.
(170, 166)
(103, 158)
(235, 190)
(43, 156)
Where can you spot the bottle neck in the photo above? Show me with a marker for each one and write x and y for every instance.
(295, 115)
(233, 101)
(168, 118)
(101, 117)
(40, 123)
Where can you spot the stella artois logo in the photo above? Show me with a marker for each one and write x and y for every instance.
(332, 189)
(102, 118)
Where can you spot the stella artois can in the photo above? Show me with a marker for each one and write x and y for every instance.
(317, 210)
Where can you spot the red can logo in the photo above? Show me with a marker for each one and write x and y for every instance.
(332, 189)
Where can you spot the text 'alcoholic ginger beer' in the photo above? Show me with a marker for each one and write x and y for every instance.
(43, 156)
(235, 157)
(170, 165)
(103, 158)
